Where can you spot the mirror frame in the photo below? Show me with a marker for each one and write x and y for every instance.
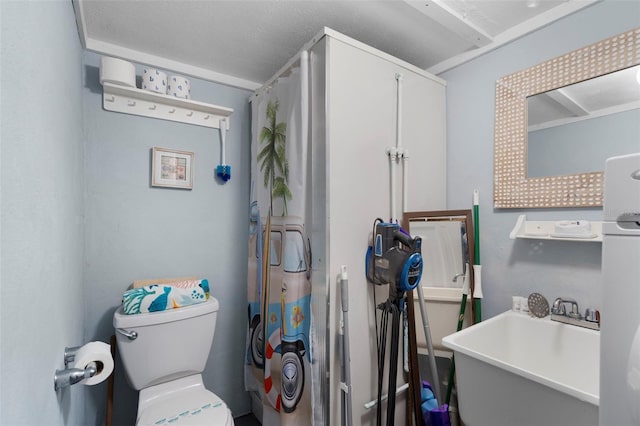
(512, 188)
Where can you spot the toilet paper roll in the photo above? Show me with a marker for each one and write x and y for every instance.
(154, 80)
(179, 87)
(117, 71)
(100, 354)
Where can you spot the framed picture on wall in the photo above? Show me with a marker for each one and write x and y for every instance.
(172, 169)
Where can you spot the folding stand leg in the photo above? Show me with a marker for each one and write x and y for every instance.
(381, 357)
(393, 364)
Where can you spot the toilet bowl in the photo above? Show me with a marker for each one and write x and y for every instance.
(182, 401)
(164, 354)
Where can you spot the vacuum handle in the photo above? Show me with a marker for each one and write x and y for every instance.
(405, 239)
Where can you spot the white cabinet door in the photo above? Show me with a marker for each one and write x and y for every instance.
(361, 102)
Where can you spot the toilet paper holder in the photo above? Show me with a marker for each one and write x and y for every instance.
(71, 376)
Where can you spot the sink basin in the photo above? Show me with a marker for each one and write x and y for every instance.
(517, 370)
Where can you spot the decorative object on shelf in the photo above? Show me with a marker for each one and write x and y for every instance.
(172, 169)
(154, 80)
(179, 87)
(117, 71)
(567, 230)
(120, 94)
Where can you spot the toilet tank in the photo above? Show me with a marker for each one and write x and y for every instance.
(169, 345)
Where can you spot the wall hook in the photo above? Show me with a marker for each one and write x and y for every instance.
(153, 107)
(190, 113)
(206, 117)
(131, 103)
(172, 110)
(110, 98)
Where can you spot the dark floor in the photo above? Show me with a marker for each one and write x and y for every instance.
(248, 420)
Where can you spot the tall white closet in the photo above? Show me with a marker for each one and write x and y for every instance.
(353, 121)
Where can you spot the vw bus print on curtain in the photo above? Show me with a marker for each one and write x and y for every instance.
(279, 344)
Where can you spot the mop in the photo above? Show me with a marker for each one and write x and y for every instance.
(438, 416)
(345, 359)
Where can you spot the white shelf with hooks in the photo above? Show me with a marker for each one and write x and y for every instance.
(547, 230)
(130, 100)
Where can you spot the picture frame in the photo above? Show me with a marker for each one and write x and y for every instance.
(171, 168)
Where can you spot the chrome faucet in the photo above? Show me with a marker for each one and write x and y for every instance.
(559, 308)
(559, 313)
(456, 276)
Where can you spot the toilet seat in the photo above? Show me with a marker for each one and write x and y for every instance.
(188, 407)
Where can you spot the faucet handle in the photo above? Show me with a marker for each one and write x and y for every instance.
(575, 312)
(592, 315)
(558, 307)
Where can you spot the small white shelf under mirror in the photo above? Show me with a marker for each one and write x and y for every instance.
(564, 230)
(130, 100)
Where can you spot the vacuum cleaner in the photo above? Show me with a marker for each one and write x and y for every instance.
(395, 259)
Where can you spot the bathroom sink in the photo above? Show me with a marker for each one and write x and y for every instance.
(518, 370)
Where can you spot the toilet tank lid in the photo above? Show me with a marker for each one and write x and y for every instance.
(122, 320)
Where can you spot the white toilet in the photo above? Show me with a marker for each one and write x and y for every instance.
(164, 354)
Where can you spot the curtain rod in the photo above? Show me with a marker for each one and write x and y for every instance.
(291, 63)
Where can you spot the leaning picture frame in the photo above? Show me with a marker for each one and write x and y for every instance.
(171, 168)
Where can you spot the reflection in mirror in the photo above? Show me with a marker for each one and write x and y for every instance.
(574, 129)
(446, 250)
(444, 239)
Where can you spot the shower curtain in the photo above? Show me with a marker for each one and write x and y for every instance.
(279, 343)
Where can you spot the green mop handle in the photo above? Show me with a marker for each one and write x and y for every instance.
(463, 306)
(477, 268)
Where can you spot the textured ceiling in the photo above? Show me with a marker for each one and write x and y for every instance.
(251, 40)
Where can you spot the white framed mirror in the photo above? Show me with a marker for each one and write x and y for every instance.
(514, 185)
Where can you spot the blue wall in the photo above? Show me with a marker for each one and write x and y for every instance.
(519, 267)
(135, 231)
(42, 210)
